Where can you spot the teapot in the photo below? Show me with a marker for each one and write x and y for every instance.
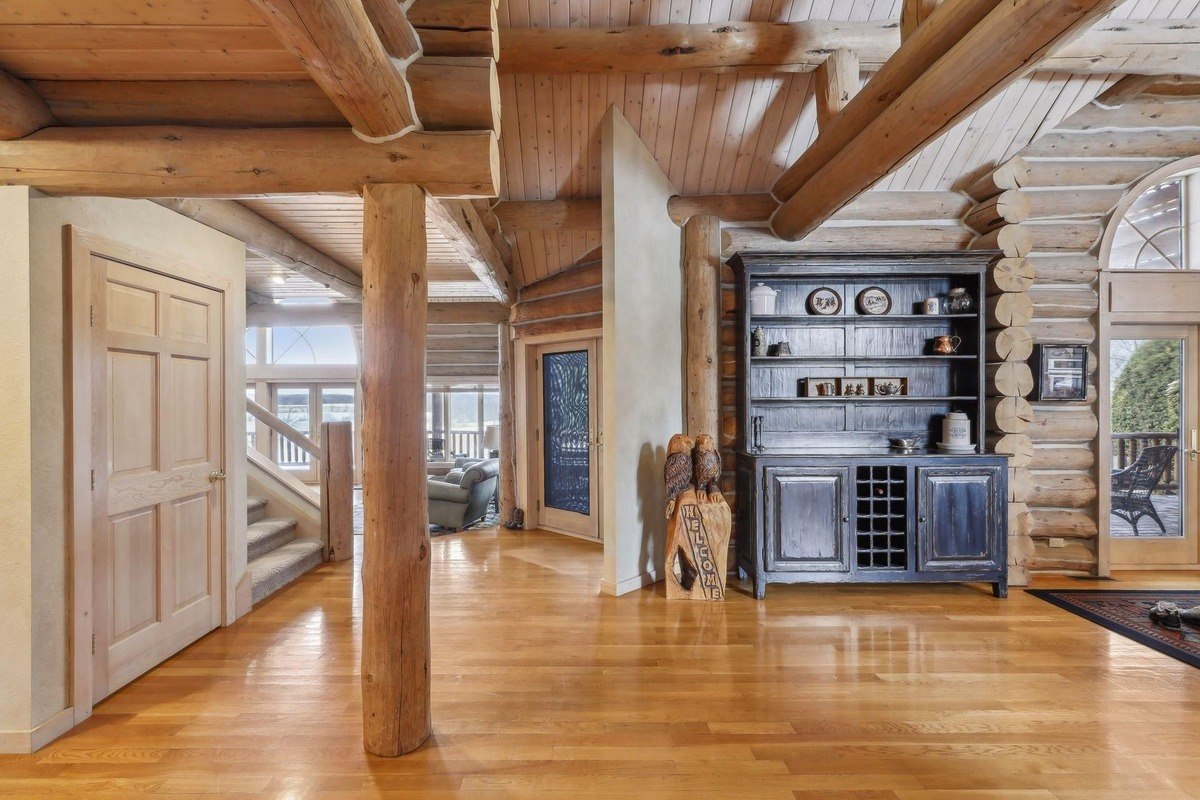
(946, 345)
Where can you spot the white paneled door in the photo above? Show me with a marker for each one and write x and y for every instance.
(158, 481)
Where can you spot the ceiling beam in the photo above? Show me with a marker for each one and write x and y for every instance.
(549, 215)
(267, 240)
(337, 43)
(22, 110)
(459, 221)
(456, 27)
(912, 14)
(1125, 90)
(156, 161)
(837, 81)
(975, 67)
(297, 314)
(1120, 46)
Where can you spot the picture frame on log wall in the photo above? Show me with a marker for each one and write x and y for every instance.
(1060, 372)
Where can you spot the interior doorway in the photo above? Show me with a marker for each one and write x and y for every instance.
(1153, 372)
(567, 437)
(148, 443)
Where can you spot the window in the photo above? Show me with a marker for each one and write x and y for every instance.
(320, 345)
(455, 417)
(1157, 230)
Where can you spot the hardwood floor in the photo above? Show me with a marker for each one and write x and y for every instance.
(544, 689)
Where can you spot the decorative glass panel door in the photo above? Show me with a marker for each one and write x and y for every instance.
(1152, 483)
(568, 438)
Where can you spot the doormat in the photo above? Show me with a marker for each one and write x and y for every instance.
(1127, 612)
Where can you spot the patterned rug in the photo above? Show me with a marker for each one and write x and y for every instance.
(1127, 612)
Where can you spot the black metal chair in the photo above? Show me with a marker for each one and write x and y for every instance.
(1132, 486)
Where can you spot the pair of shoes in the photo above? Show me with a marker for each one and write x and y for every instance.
(1171, 616)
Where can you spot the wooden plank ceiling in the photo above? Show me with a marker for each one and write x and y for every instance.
(711, 133)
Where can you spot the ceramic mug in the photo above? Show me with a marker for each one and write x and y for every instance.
(946, 345)
(932, 305)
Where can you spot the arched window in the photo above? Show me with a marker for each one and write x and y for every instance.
(1159, 229)
(325, 345)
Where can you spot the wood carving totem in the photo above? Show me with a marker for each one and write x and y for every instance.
(699, 520)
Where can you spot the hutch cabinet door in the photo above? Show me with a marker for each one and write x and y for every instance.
(957, 524)
(807, 511)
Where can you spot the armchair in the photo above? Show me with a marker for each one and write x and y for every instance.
(1132, 486)
(461, 496)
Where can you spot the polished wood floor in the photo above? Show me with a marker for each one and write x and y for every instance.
(543, 689)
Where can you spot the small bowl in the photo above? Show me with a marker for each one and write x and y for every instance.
(905, 443)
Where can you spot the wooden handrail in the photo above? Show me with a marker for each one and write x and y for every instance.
(264, 415)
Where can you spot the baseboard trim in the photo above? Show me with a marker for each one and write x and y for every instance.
(629, 584)
(22, 742)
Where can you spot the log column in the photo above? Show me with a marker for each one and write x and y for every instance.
(508, 433)
(395, 572)
(999, 209)
(701, 278)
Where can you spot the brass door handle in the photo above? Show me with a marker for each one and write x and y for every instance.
(218, 475)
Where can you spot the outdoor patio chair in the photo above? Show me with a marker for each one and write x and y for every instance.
(1132, 486)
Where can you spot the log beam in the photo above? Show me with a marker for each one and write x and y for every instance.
(1119, 46)
(267, 240)
(508, 432)
(168, 161)
(395, 32)
(337, 43)
(702, 315)
(22, 110)
(837, 81)
(912, 14)
(395, 571)
(456, 27)
(995, 51)
(459, 222)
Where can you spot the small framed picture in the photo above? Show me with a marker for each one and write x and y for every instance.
(1060, 371)
(873, 300)
(824, 302)
(889, 387)
(854, 387)
(819, 387)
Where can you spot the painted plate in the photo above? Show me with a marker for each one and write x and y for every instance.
(873, 300)
(824, 302)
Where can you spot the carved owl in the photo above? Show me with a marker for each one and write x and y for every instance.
(677, 472)
(706, 469)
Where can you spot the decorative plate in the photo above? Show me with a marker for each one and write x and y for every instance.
(824, 302)
(873, 300)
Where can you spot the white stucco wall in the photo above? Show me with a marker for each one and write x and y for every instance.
(40, 539)
(642, 373)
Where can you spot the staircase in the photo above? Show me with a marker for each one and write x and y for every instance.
(276, 557)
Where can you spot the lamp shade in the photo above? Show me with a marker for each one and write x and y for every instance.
(491, 437)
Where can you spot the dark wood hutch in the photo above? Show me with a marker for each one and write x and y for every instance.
(822, 495)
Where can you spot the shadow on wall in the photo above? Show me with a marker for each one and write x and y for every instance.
(651, 502)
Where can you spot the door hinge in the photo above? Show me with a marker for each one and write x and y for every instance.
(539, 505)
(93, 644)
(93, 480)
(91, 316)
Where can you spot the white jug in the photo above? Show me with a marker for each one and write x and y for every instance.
(762, 300)
(956, 430)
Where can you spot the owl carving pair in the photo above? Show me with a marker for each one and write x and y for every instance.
(692, 464)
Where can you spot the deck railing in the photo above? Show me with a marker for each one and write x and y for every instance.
(1126, 447)
(463, 443)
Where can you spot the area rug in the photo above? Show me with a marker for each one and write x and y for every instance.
(1127, 612)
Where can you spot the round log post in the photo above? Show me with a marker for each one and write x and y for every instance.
(395, 571)
(1009, 344)
(701, 278)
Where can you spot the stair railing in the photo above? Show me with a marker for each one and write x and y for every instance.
(334, 457)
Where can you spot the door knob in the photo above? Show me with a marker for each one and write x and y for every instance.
(218, 475)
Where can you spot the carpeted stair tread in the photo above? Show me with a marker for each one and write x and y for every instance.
(267, 534)
(281, 566)
(256, 509)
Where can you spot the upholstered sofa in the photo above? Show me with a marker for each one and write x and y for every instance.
(461, 496)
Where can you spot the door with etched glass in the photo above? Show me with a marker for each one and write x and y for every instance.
(568, 438)
(1152, 481)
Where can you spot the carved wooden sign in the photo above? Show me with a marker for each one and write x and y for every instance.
(699, 520)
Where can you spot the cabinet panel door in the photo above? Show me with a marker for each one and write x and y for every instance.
(957, 521)
(807, 511)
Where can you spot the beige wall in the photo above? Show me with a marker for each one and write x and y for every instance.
(642, 372)
(42, 533)
(16, 486)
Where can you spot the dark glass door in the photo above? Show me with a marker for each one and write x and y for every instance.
(568, 425)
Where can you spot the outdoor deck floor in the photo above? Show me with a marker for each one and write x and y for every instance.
(1168, 509)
